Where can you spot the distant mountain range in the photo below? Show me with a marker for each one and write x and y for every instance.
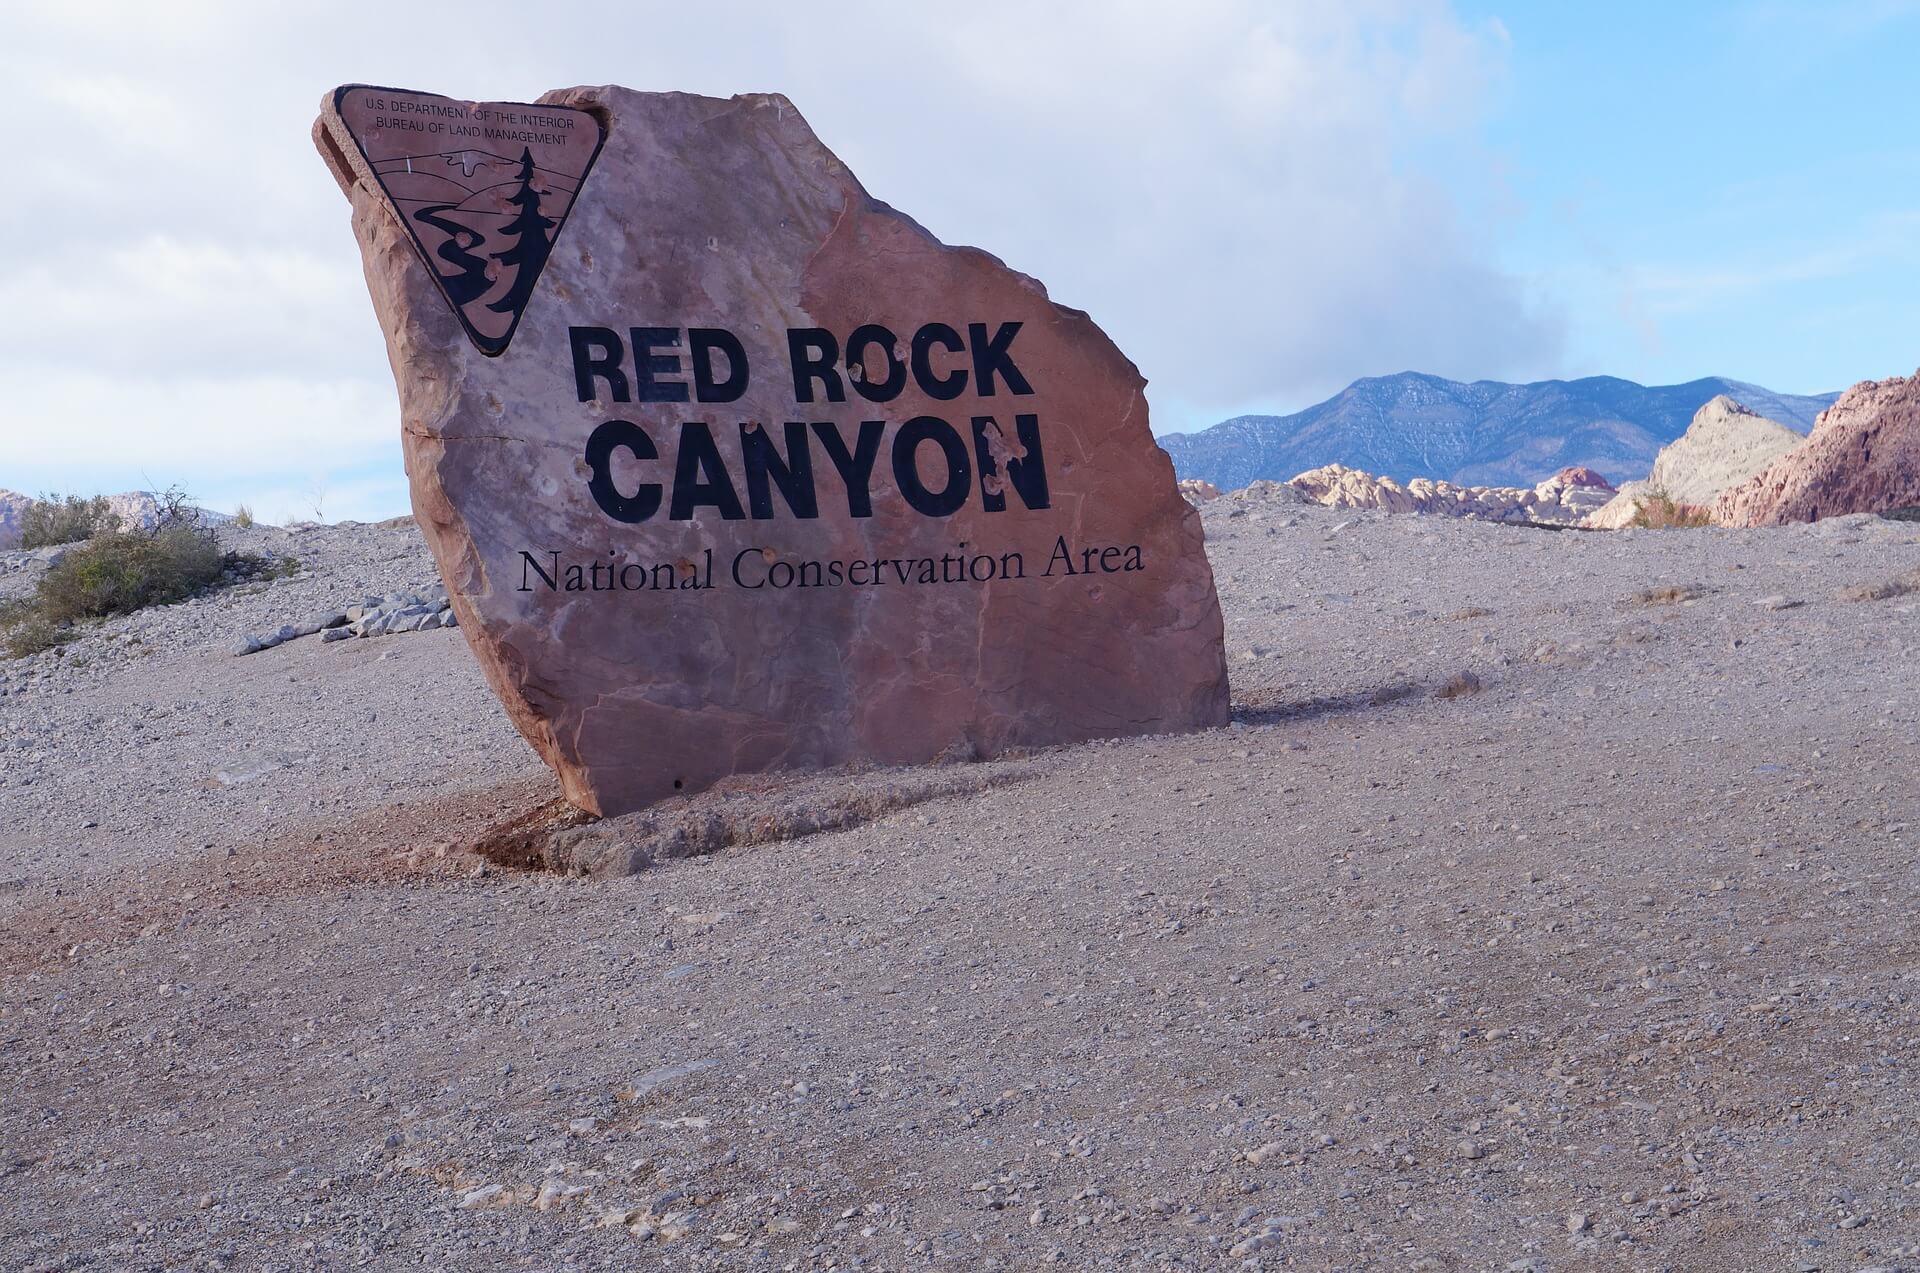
(1487, 433)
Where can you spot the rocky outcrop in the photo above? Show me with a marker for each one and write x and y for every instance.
(1197, 492)
(1862, 457)
(1726, 444)
(1561, 500)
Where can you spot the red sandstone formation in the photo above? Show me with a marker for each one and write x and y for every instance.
(1862, 457)
(1580, 475)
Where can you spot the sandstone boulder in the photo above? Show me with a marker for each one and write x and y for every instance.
(1725, 445)
(1197, 491)
(730, 467)
(1862, 457)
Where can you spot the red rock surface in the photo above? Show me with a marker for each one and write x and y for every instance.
(1580, 475)
(1863, 456)
(707, 213)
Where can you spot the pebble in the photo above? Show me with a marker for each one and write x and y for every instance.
(481, 1197)
(376, 616)
(555, 1192)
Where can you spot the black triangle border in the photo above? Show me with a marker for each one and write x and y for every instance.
(490, 347)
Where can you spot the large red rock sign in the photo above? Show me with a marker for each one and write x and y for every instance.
(730, 467)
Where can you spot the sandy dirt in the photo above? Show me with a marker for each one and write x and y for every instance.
(1548, 905)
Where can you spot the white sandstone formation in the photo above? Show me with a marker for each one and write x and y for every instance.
(1561, 500)
(1724, 446)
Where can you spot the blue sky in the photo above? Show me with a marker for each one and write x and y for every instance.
(1260, 201)
(1728, 189)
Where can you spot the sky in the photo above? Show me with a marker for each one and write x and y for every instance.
(1259, 200)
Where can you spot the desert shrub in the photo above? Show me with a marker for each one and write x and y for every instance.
(243, 517)
(1902, 586)
(120, 571)
(1910, 513)
(174, 507)
(55, 519)
(24, 632)
(1667, 594)
(33, 635)
(124, 571)
(1660, 511)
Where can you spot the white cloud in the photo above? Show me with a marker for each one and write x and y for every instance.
(1875, 242)
(193, 429)
(165, 306)
(1257, 201)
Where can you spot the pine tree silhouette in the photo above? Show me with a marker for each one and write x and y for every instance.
(531, 245)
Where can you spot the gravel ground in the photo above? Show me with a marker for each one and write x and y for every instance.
(1547, 906)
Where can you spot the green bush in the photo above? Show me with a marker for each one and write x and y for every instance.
(1660, 511)
(24, 632)
(124, 571)
(54, 519)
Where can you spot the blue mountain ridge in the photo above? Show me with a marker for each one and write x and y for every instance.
(1487, 433)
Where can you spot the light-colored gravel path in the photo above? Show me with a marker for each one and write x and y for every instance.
(1608, 963)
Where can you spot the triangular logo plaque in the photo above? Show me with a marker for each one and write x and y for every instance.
(483, 188)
